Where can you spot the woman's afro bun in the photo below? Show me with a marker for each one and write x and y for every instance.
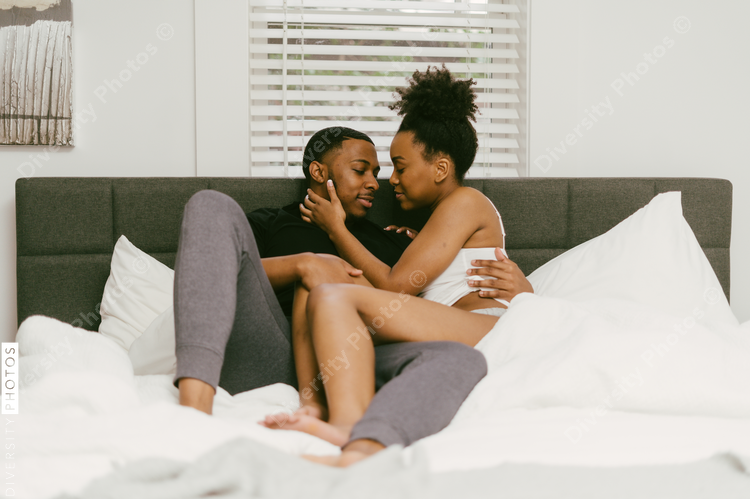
(436, 109)
(437, 95)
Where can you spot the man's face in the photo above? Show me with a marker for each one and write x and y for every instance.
(354, 169)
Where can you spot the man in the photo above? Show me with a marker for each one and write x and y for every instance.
(234, 279)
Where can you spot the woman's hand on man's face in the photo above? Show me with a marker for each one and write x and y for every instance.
(328, 215)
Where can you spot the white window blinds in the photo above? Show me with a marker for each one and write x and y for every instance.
(320, 63)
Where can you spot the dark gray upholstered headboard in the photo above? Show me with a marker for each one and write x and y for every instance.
(66, 228)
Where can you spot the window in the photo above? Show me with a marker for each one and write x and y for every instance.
(320, 63)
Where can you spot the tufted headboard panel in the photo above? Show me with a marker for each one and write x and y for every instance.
(66, 228)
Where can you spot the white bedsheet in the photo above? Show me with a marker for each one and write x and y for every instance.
(552, 365)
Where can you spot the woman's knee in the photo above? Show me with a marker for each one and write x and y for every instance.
(327, 296)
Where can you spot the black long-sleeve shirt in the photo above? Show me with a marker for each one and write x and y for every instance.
(282, 232)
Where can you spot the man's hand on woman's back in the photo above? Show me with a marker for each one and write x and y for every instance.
(508, 281)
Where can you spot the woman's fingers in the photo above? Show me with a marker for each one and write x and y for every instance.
(308, 202)
(407, 230)
(332, 191)
(305, 212)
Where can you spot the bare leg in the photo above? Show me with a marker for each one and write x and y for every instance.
(388, 317)
(311, 390)
(338, 315)
(350, 385)
(312, 376)
(197, 394)
(309, 373)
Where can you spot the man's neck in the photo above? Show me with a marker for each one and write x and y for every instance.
(319, 189)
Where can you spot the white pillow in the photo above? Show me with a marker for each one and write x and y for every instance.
(154, 351)
(138, 289)
(652, 258)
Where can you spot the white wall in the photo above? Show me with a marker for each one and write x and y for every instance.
(145, 128)
(687, 115)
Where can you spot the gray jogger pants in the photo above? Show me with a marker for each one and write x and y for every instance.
(231, 332)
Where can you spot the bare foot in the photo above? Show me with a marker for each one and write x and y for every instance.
(346, 458)
(354, 452)
(314, 410)
(327, 460)
(276, 421)
(337, 435)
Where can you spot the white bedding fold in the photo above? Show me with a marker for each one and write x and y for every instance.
(611, 355)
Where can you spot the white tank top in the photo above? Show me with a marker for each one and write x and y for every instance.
(452, 284)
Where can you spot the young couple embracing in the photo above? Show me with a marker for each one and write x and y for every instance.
(375, 327)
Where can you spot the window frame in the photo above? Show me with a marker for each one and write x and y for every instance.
(223, 88)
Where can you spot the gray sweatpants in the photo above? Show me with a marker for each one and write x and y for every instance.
(231, 332)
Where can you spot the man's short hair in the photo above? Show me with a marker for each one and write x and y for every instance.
(326, 141)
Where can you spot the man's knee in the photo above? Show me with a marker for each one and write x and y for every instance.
(209, 200)
(214, 209)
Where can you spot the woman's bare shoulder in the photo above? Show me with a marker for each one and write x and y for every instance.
(468, 197)
(479, 212)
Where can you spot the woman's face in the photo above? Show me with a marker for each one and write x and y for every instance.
(413, 178)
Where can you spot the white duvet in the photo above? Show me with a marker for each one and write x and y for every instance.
(601, 383)
(612, 354)
(551, 396)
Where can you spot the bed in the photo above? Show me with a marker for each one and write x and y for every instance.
(93, 427)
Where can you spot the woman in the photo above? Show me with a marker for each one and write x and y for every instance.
(434, 147)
